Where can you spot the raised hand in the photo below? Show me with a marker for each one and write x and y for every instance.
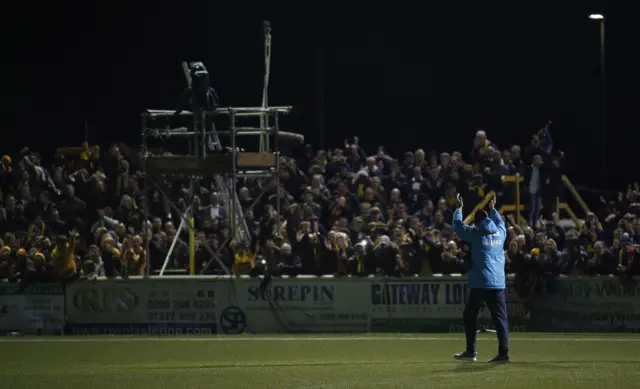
(459, 202)
(492, 203)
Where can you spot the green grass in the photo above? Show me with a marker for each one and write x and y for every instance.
(555, 361)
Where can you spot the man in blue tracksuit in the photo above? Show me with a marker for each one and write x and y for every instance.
(486, 277)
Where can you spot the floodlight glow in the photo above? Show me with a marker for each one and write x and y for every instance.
(596, 16)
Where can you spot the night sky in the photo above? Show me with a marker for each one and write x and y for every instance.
(407, 75)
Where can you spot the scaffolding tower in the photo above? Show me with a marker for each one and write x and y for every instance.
(207, 157)
(226, 166)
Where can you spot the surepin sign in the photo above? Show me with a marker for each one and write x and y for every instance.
(292, 292)
(105, 300)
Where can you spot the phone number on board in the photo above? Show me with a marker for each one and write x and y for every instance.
(181, 304)
(182, 316)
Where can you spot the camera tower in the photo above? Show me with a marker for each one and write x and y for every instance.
(208, 158)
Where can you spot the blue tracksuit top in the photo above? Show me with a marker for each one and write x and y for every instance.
(487, 250)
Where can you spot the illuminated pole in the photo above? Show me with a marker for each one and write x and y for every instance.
(603, 119)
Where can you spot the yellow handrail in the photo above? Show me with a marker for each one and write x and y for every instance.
(77, 150)
(480, 205)
(513, 179)
(518, 179)
(518, 207)
(575, 194)
(572, 215)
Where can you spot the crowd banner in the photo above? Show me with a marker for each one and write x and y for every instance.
(167, 305)
(576, 304)
(295, 305)
(39, 309)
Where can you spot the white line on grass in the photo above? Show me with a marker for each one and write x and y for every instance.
(125, 338)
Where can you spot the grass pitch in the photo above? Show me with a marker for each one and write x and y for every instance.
(554, 361)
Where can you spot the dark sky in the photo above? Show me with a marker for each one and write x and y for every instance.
(423, 74)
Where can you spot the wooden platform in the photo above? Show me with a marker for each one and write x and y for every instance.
(219, 163)
(214, 163)
(249, 160)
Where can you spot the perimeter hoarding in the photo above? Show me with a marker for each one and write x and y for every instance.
(433, 304)
(297, 305)
(143, 306)
(39, 309)
(602, 304)
(203, 305)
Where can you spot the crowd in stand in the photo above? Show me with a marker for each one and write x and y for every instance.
(343, 212)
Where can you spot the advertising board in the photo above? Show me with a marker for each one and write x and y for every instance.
(588, 304)
(156, 306)
(433, 304)
(294, 306)
(39, 309)
(207, 305)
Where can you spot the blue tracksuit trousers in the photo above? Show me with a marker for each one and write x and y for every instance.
(497, 305)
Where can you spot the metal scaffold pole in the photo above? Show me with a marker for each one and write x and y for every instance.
(264, 117)
(146, 229)
(234, 171)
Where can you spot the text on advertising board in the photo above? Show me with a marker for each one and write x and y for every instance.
(596, 289)
(38, 309)
(127, 302)
(318, 294)
(418, 293)
(105, 300)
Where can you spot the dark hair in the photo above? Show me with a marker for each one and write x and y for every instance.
(480, 215)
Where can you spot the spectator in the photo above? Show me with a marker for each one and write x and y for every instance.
(482, 150)
(341, 213)
(534, 182)
(93, 266)
(601, 260)
(628, 256)
(63, 257)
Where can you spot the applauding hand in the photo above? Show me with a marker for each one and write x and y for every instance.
(492, 203)
(459, 202)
